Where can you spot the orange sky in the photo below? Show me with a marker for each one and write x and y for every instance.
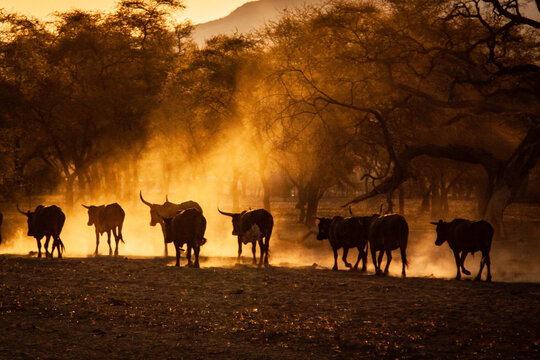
(197, 10)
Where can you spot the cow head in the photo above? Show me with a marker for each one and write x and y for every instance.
(155, 218)
(235, 220)
(324, 228)
(92, 214)
(442, 232)
(32, 231)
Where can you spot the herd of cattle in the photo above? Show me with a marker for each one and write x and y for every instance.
(184, 224)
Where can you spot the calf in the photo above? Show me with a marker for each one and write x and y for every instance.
(346, 233)
(187, 227)
(387, 233)
(106, 219)
(463, 237)
(251, 227)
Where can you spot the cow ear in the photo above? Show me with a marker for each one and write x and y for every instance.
(440, 221)
(434, 223)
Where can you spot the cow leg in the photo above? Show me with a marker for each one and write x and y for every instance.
(456, 256)
(56, 244)
(254, 251)
(364, 259)
(360, 256)
(116, 240)
(39, 247)
(196, 251)
(97, 243)
(462, 261)
(379, 261)
(344, 257)
(47, 239)
(374, 257)
(109, 242)
(403, 261)
(485, 260)
(263, 251)
(239, 250)
(266, 246)
(335, 259)
(190, 264)
(163, 230)
(177, 255)
(388, 260)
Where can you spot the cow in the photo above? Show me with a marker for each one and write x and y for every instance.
(465, 236)
(107, 218)
(167, 210)
(346, 233)
(46, 221)
(186, 227)
(251, 227)
(387, 233)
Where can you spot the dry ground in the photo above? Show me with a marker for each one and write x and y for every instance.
(118, 308)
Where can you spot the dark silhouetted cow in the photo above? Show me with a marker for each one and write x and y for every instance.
(187, 227)
(463, 237)
(106, 219)
(46, 221)
(346, 233)
(387, 233)
(251, 227)
(167, 210)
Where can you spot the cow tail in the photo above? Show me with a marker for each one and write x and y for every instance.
(62, 245)
(403, 246)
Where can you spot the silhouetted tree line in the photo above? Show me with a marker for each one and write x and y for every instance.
(389, 98)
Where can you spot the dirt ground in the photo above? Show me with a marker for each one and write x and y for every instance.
(118, 308)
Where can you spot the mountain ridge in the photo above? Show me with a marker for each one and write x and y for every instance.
(247, 17)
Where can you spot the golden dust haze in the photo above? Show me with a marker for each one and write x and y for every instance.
(197, 11)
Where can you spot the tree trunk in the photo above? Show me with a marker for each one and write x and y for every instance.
(401, 194)
(312, 207)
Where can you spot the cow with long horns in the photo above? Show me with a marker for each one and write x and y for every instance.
(167, 210)
(46, 221)
(252, 227)
(107, 218)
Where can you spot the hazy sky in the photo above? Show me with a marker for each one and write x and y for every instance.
(197, 10)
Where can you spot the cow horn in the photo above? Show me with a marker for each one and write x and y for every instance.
(22, 212)
(225, 213)
(144, 201)
(380, 209)
(350, 210)
(166, 197)
(84, 206)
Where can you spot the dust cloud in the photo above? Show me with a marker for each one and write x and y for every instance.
(512, 259)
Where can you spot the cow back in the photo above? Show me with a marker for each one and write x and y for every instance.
(469, 236)
(389, 232)
(260, 217)
(110, 216)
(189, 227)
(48, 221)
